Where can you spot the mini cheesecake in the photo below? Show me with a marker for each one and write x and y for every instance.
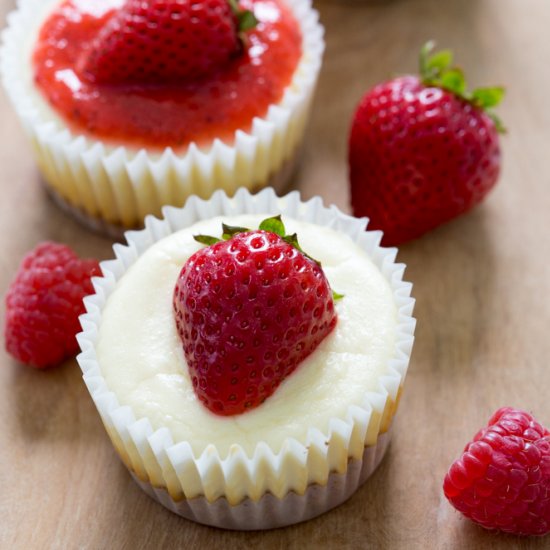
(113, 153)
(310, 444)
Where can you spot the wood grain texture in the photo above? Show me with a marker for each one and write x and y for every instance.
(481, 284)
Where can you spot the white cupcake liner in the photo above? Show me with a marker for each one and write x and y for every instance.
(270, 512)
(121, 185)
(279, 182)
(321, 471)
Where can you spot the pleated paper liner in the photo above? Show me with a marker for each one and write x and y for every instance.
(270, 512)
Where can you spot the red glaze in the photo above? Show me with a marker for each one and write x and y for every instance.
(158, 116)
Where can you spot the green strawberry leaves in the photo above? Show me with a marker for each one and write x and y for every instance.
(206, 239)
(488, 97)
(276, 225)
(273, 225)
(436, 69)
(246, 19)
(454, 81)
(229, 231)
(434, 64)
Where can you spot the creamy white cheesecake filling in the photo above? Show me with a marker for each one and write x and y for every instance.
(141, 356)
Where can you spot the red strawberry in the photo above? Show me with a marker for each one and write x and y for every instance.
(502, 481)
(249, 309)
(43, 303)
(151, 41)
(422, 150)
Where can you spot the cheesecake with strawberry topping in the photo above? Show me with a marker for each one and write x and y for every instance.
(164, 73)
(132, 105)
(247, 355)
(169, 371)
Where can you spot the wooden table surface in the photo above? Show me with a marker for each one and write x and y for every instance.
(481, 283)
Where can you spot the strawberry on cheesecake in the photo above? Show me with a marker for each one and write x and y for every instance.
(194, 335)
(249, 309)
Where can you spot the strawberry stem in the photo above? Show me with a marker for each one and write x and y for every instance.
(437, 69)
(275, 225)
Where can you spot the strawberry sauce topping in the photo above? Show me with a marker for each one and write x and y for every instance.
(156, 115)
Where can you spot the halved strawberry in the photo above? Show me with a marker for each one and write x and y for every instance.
(249, 309)
(163, 41)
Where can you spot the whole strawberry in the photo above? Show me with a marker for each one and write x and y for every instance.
(43, 303)
(502, 480)
(249, 309)
(152, 41)
(423, 150)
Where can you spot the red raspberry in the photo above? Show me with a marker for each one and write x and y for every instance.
(502, 481)
(43, 303)
(248, 311)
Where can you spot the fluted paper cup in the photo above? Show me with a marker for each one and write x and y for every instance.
(266, 487)
(111, 187)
